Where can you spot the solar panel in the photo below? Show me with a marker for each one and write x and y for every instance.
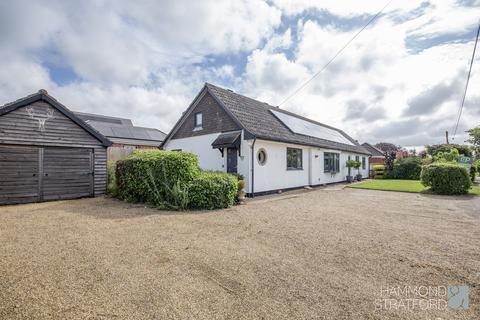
(311, 129)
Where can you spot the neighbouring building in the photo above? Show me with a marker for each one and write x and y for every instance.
(377, 155)
(272, 148)
(48, 153)
(125, 137)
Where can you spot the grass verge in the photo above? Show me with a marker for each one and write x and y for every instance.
(414, 186)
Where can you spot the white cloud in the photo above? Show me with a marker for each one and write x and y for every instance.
(344, 8)
(147, 59)
(378, 74)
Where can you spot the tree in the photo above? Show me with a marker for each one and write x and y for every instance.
(387, 146)
(436, 148)
(390, 153)
(474, 139)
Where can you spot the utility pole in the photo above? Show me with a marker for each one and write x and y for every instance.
(446, 136)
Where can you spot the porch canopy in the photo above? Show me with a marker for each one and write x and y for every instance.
(227, 140)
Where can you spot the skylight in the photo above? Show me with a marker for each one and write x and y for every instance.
(311, 129)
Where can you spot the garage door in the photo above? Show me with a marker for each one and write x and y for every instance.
(19, 179)
(30, 174)
(67, 173)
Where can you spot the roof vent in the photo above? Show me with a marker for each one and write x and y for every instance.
(43, 91)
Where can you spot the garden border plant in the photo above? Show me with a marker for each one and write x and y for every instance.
(173, 180)
(446, 178)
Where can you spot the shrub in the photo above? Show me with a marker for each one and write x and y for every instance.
(446, 178)
(378, 171)
(169, 179)
(436, 148)
(350, 164)
(240, 191)
(111, 180)
(155, 177)
(473, 172)
(213, 190)
(407, 168)
(451, 156)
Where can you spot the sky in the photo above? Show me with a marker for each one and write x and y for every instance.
(401, 80)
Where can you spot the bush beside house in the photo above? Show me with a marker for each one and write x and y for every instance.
(407, 168)
(446, 178)
(212, 190)
(170, 179)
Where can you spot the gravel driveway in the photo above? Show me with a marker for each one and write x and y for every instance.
(320, 254)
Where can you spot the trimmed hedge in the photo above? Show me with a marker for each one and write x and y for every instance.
(408, 168)
(212, 190)
(149, 175)
(446, 178)
(171, 179)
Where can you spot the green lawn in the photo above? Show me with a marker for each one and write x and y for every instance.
(400, 185)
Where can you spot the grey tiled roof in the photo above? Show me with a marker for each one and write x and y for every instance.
(256, 118)
(373, 150)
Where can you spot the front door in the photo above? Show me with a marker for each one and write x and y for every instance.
(232, 160)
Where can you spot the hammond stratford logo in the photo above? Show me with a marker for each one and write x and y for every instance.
(457, 297)
(422, 298)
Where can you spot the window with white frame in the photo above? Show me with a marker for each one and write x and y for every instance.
(331, 162)
(198, 120)
(363, 163)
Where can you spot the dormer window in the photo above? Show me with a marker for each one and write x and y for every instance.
(198, 121)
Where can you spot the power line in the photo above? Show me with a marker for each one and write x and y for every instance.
(466, 85)
(335, 56)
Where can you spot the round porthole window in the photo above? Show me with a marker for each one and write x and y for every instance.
(262, 157)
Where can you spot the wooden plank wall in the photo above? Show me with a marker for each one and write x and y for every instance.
(18, 128)
(19, 174)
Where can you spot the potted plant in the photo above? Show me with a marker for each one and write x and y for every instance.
(350, 164)
(241, 191)
(357, 166)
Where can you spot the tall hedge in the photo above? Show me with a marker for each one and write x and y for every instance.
(446, 178)
(150, 176)
(170, 179)
(408, 168)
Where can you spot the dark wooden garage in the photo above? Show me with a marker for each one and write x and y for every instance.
(48, 153)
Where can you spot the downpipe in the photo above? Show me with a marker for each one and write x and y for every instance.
(253, 166)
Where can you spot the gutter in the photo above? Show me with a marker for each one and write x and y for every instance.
(253, 166)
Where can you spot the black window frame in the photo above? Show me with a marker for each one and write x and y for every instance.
(298, 153)
(364, 163)
(195, 120)
(333, 159)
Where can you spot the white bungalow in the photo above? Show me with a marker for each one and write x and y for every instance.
(272, 148)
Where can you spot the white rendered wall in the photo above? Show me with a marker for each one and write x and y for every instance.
(208, 158)
(321, 177)
(274, 174)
